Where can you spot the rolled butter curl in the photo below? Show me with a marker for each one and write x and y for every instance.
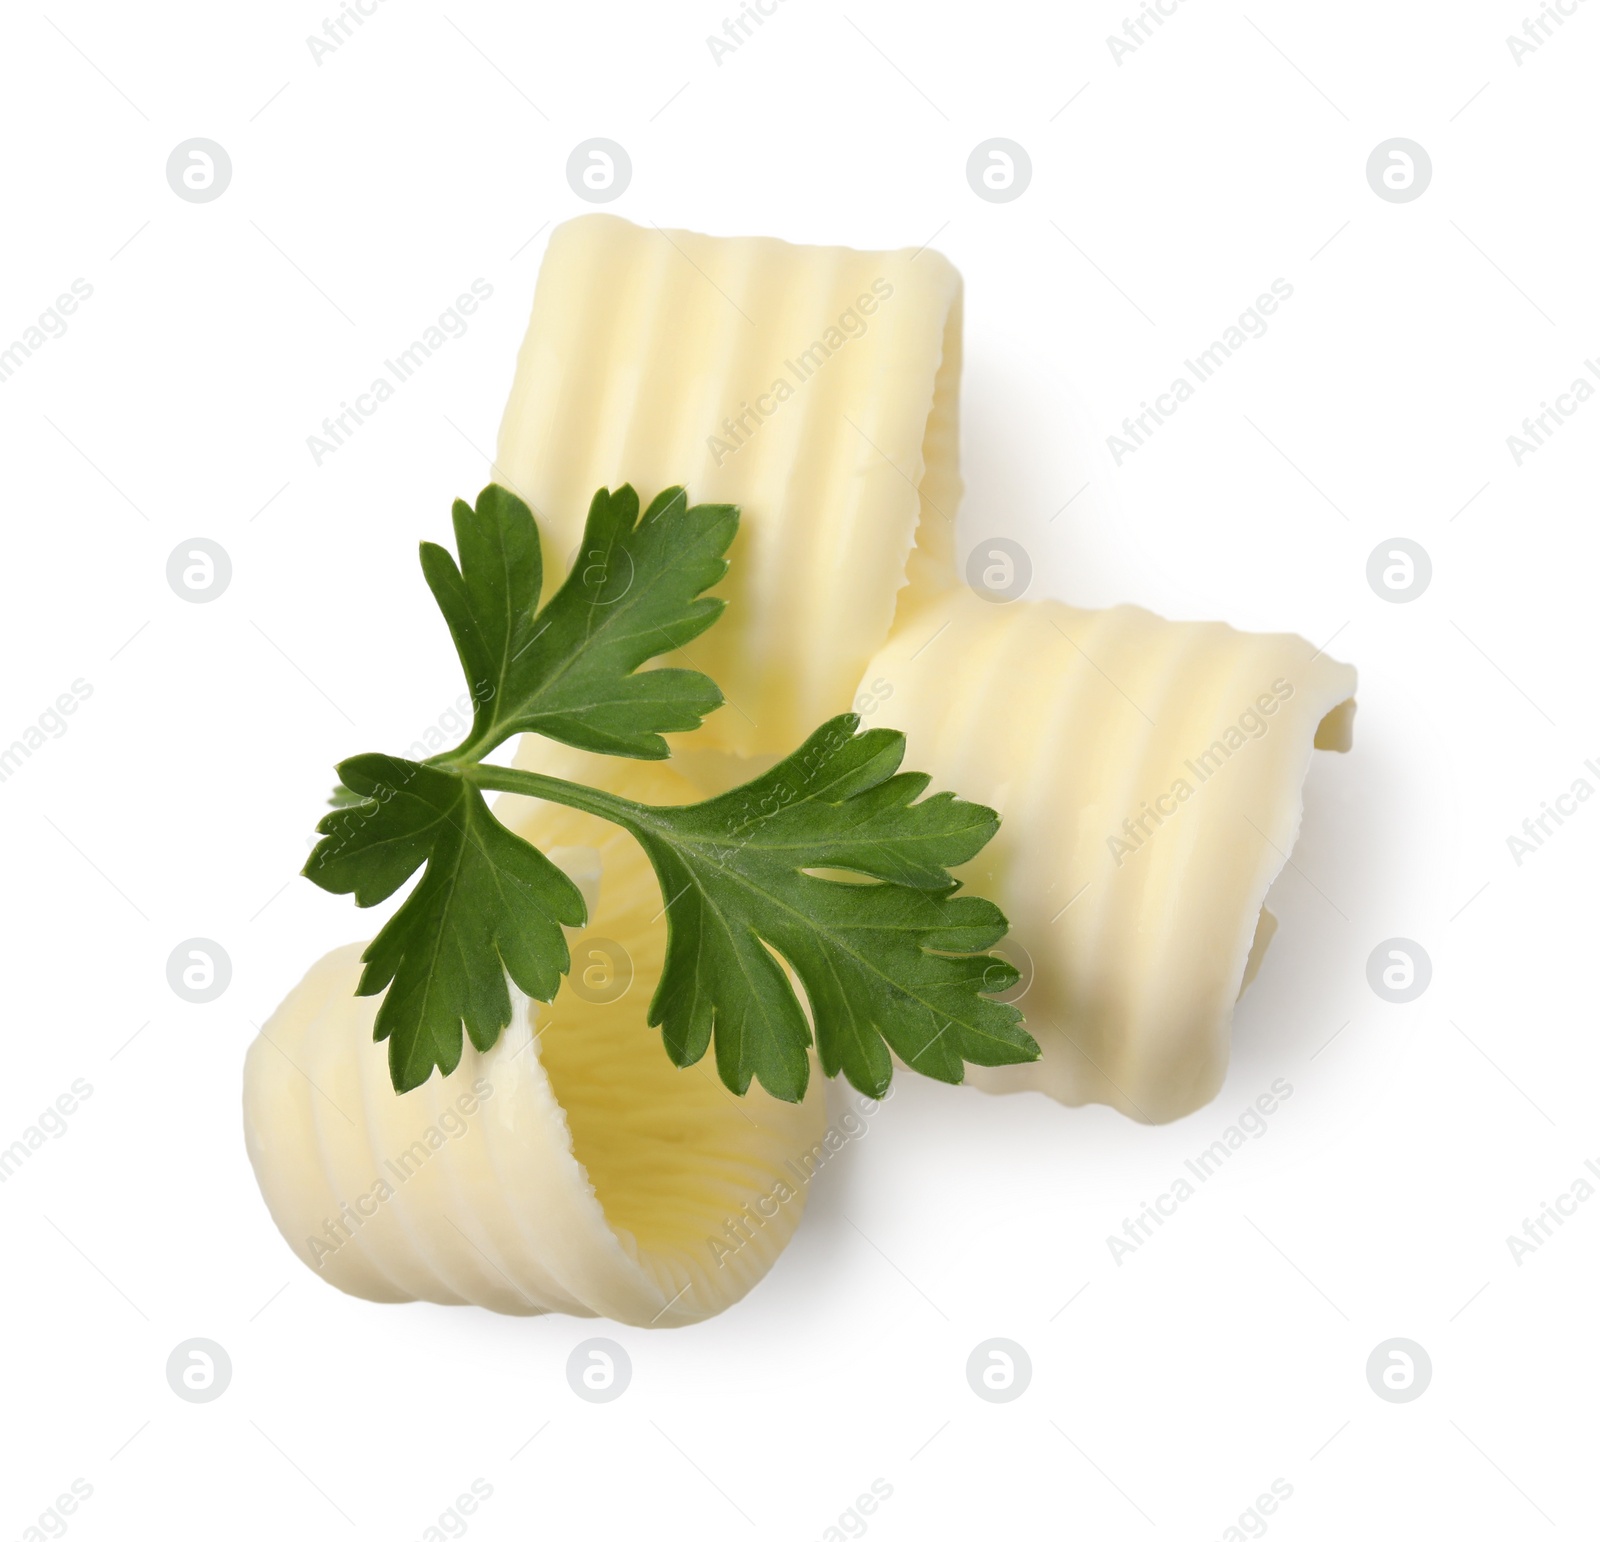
(813, 386)
(1148, 776)
(571, 1169)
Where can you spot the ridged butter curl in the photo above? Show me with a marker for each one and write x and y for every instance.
(572, 1168)
(815, 387)
(1148, 777)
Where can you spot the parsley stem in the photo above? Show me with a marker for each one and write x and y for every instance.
(533, 784)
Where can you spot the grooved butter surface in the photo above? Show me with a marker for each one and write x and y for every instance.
(813, 386)
(1148, 778)
(594, 1178)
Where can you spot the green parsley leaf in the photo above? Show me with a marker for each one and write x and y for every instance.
(832, 865)
(885, 965)
(567, 671)
(488, 905)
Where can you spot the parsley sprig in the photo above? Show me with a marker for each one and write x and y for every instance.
(751, 881)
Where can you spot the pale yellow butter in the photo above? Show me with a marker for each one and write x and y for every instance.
(813, 386)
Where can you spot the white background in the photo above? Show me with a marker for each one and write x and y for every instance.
(1168, 191)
